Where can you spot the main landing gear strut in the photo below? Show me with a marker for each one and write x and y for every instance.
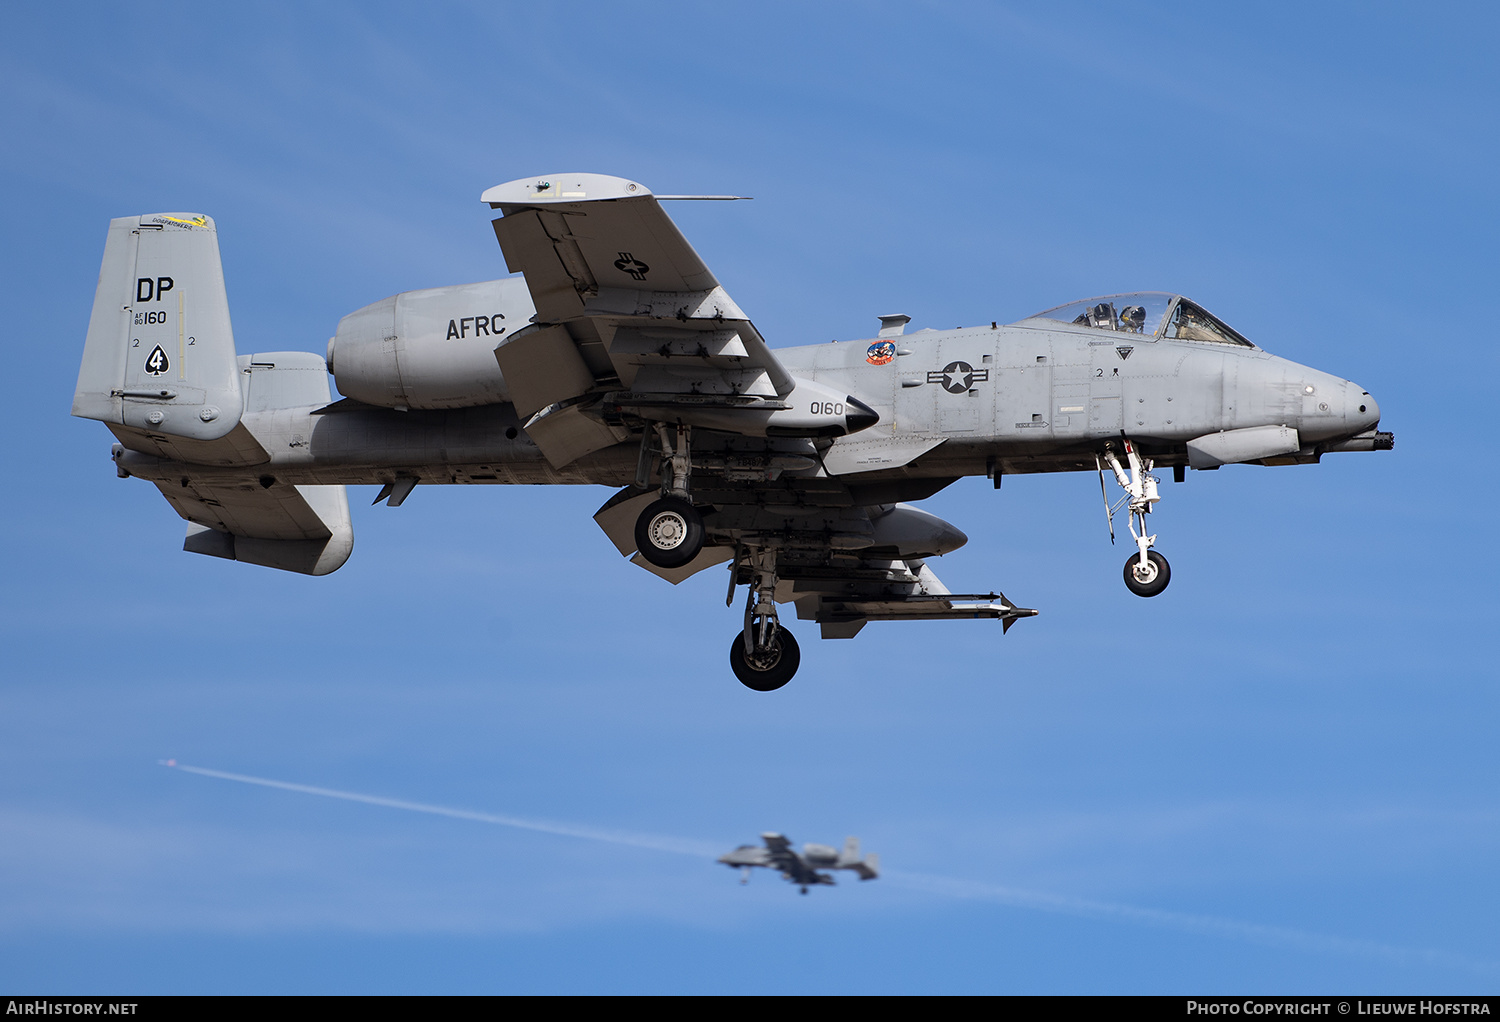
(1146, 572)
(764, 656)
(669, 532)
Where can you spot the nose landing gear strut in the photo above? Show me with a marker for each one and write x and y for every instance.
(1146, 572)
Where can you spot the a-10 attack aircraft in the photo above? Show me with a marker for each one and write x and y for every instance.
(618, 359)
(801, 870)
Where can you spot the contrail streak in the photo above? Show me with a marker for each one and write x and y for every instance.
(613, 837)
(1274, 936)
(1255, 933)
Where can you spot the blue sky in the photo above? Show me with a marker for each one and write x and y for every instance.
(1279, 776)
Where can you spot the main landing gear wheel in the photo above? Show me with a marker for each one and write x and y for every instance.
(768, 669)
(1150, 578)
(669, 533)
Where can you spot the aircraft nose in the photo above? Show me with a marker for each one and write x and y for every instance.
(1362, 413)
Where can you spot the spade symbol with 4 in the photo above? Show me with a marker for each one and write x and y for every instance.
(157, 363)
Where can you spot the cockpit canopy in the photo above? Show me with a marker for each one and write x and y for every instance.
(1150, 313)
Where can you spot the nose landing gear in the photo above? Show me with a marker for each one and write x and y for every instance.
(1147, 572)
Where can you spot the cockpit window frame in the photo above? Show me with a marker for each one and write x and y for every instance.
(1116, 307)
(1212, 329)
(1231, 338)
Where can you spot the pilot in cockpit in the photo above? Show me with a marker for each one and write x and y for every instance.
(1101, 316)
(1133, 319)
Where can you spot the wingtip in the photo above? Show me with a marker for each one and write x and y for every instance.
(549, 189)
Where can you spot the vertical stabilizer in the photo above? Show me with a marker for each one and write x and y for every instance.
(160, 352)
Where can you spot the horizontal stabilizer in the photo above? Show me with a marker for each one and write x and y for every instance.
(305, 529)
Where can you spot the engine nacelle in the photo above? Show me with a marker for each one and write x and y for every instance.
(430, 349)
(820, 855)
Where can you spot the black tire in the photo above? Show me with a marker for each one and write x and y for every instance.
(1159, 570)
(669, 533)
(774, 670)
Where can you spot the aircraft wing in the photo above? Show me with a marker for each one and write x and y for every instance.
(776, 843)
(626, 310)
(746, 855)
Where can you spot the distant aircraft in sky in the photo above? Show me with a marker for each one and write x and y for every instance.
(618, 359)
(802, 869)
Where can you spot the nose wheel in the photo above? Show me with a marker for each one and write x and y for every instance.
(1149, 578)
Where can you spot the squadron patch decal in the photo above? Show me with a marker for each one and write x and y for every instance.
(958, 377)
(881, 353)
(157, 362)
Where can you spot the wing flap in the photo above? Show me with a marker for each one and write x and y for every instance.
(565, 433)
(542, 366)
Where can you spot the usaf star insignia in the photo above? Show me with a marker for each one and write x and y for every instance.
(958, 377)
